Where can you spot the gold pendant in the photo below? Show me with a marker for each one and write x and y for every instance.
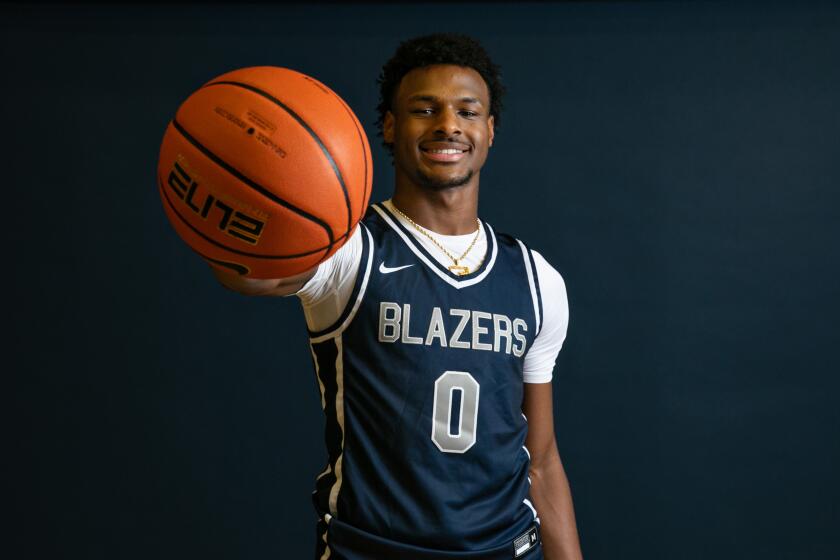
(459, 269)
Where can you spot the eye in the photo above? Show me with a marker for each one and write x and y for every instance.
(469, 114)
(425, 111)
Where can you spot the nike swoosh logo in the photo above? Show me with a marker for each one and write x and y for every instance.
(388, 270)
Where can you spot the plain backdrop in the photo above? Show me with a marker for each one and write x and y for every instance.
(677, 162)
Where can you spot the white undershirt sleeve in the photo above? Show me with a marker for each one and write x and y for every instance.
(326, 294)
(540, 359)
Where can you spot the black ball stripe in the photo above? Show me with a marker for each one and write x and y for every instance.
(251, 183)
(308, 129)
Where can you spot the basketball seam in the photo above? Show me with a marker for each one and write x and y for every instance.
(364, 153)
(231, 249)
(307, 128)
(251, 183)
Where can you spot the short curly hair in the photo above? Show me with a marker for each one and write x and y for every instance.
(438, 48)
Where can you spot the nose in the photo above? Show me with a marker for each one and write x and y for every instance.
(447, 123)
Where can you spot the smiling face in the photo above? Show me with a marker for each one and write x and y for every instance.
(440, 126)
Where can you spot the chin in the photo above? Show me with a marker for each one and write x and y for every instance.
(443, 183)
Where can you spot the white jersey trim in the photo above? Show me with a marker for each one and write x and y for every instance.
(532, 285)
(339, 414)
(528, 503)
(362, 289)
(451, 281)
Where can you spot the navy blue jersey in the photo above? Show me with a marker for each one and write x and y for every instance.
(421, 383)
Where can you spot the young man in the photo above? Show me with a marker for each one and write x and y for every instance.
(434, 339)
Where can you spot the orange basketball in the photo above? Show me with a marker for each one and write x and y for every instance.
(264, 171)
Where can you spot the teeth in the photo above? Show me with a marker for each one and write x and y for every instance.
(445, 151)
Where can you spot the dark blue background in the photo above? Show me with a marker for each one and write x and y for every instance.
(677, 162)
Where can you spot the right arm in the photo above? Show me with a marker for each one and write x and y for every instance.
(323, 289)
(262, 287)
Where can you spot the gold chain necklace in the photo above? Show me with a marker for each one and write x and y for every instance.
(456, 268)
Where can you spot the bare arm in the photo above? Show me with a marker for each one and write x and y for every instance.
(549, 485)
(261, 287)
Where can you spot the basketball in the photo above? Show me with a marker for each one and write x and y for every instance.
(264, 171)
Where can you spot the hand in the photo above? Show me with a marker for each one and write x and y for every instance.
(262, 286)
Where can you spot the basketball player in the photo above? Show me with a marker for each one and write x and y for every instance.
(434, 338)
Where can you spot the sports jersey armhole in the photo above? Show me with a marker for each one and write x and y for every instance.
(533, 283)
(356, 295)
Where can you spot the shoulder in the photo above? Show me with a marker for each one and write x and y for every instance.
(548, 275)
(335, 273)
(555, 300)
(505, 239)
(550, 286)
(375, 220)
(540, 360)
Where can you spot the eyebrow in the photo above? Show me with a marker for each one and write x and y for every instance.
(422, 97)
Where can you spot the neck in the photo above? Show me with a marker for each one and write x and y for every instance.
(448, 212)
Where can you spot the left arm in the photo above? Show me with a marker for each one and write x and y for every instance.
(549, 485)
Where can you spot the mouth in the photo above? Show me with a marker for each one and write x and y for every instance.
(444, 151)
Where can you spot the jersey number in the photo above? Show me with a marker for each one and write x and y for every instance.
(456, 397)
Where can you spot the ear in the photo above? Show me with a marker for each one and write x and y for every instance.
(388, 128)
(491, 122)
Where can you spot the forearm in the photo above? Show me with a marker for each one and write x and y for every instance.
(553, 502)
